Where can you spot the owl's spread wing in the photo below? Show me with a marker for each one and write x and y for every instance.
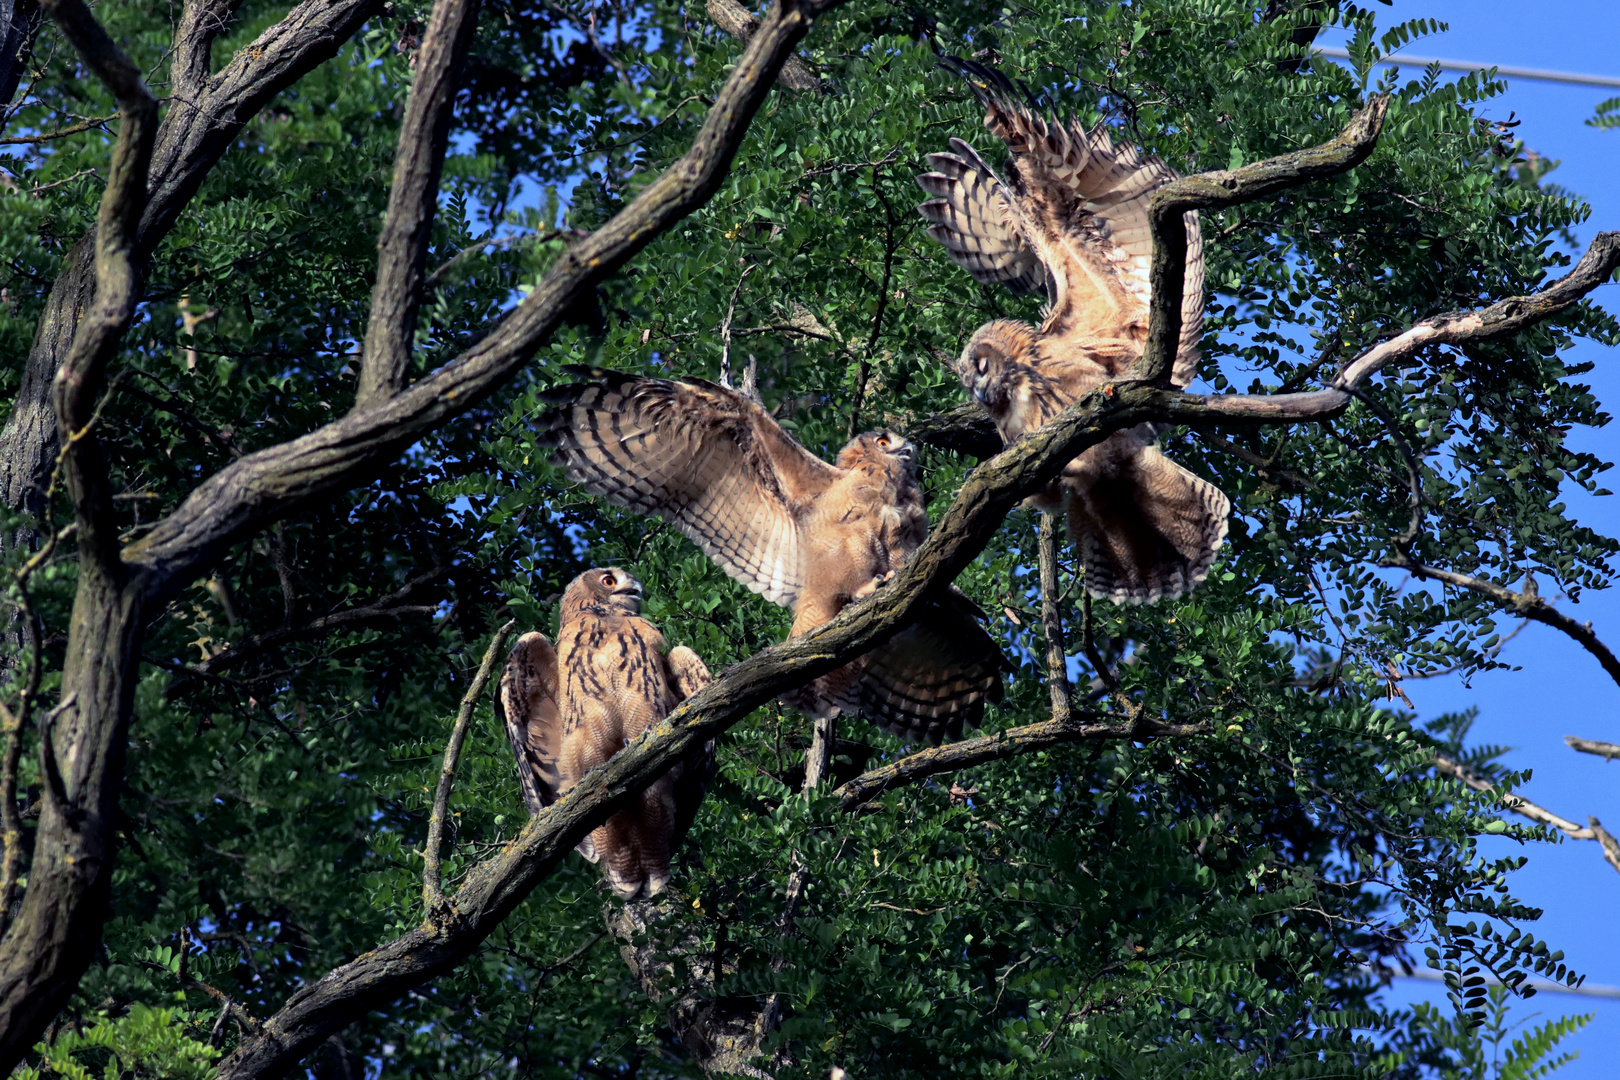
(700, 456)
(526, 702)
(976, 217)
(1083, 203)
(933, 677)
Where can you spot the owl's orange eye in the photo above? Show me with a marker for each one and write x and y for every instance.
(607, 579)
(883, 440)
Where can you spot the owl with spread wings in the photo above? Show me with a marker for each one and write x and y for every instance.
(1070, 219)
(571, 708)
(786, 524)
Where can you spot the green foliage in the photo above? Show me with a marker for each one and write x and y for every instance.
(145, 1042)
(1207, 907)
(1607, 114)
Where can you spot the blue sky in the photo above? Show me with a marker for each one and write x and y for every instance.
(1560, 690)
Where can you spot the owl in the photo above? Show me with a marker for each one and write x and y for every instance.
(802, 533)
(1071, 219)
(570, 709)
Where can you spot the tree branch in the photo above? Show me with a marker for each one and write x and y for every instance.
(1608, 751)
(1082, 727)
(1218, 190)
(1527, 604)
(201, 23)
(79, 381)
(735, 20)
(432, 890)
(1057, 662)
(418, 161)
(1525, 808)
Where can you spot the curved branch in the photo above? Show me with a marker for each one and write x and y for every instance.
(1525, 808)
(1218, 190)
(79, 380)
(432, 889)
(1083, 727)
(402, 247)
(1528, 603)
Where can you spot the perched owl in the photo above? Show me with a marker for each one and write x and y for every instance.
(1071, 218)
(570, 709)
(784, 523)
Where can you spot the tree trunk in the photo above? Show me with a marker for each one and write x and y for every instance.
(58, 930)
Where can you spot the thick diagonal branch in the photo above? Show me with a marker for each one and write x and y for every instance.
(1228, 187)
(1594, 830)
(418, 161)
(261, 487)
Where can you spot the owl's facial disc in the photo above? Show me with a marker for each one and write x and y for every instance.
(897, 445)
(980, 362)
(620, 587)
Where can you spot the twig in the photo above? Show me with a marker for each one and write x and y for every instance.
(1057, 661)
(60, 133)
(1525, 808)
(725, 329)
(1082, 727)
(432, 893)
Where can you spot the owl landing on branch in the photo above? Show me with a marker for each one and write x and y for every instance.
(570, 709)
(1071, 219)
(784, 523)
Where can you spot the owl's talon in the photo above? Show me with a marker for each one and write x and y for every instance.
(872, 586)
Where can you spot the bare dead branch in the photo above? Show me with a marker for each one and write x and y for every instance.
(1057, 662)
(1527, 809)
(1082, 727)
(1221, 189)
(402, 247)
(432, 890)
(1528, 604)
(1608, 751)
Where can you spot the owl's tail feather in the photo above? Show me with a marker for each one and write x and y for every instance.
(1146, 528)
(933, 678)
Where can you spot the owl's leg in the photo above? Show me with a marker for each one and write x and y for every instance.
(834, 692)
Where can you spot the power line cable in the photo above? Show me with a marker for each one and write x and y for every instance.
(1466, 65)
